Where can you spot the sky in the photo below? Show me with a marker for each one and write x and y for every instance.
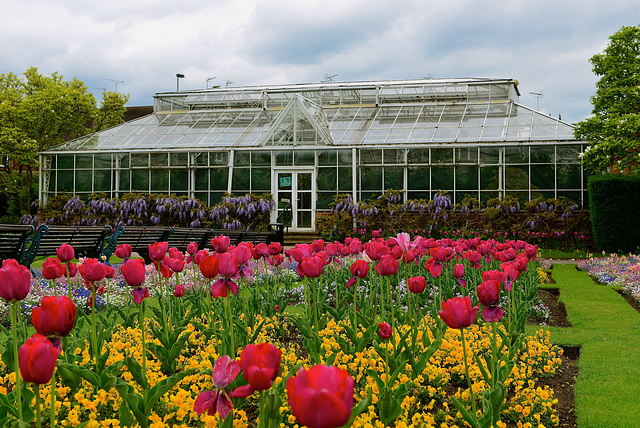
(138, 46)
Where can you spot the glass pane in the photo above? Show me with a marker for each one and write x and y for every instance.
(241, 158)
(202, 179)
(327, 179)
(345, 157)
(543, 154)
(324, 199)
(369, 196)
(304, 181)
(83, 181)
(542, 177)
(84, 161)
(304, 219)
(568, 176)
(159, 159)
(52, 165)
(486, 196)
(304, 200)
(418, 156)
(327, 157)
(102, 181)
(284, 158)
(466, 178)
(441, 155)
(394, 156)
(442, 178)
(139, 159)
(418, 178)
(489, 177)
(179, 180)
(200, 159)
(216, 197)
(489, 155)
(219, 158)
(371, 179)
(260, 180)
(517, 177)
(123, 160)
(522, 197)
(123, 186)
(370, 156)
(202, 197)
(549, 194)
(159, 180)
(102, 161)
(261, 158)
(219, 178)
(467, 155)
(65, 181)
(140, 180)
(420, 195)
(568, 154)
(305, 157)
(394, 178)
(461, 195)
(516, 154)
(573, 196)
(178, 159)
(65, 161)
(240, 183)
(345, 179)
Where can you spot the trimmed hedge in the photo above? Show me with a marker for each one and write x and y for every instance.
(614, 203)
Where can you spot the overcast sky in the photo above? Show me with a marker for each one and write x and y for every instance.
(140, 45)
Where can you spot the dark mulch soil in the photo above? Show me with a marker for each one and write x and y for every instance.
(635, 304)
(565, 378)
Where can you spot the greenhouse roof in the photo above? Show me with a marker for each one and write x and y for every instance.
(429, 111)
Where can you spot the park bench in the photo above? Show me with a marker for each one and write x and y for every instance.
(13, 240)
(183, 236)
(139, 237)
(87, 241)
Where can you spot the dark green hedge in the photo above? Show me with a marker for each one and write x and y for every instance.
(614, 203)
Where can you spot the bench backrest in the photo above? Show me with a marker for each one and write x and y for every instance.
(85, 240)
(12, 238)
(183, 236)
(139, 237)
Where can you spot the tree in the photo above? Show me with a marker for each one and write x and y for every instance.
(38, 112)
(614, 129)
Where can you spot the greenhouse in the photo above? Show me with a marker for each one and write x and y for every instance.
(306, 143)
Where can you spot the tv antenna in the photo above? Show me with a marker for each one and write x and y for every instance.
(329, 78)
(229, 82)
(116, 82)
(538, 95)
(206, 83)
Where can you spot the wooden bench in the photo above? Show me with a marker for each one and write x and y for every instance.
(183, 236)
(140, 237)
(13, 239)
(87, 241)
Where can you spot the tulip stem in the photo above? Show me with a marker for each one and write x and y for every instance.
(52, 413)
(55, 287)
(69, 282)
(232, 351)
(466, 369)
(14, 330)
(38, 405)
(93, 324)
(144, 348)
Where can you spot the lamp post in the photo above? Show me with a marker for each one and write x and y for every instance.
(178, 77)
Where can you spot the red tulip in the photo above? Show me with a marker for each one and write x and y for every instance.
(439, 254)
(209, 266)
(37, 359)
(221, 288)
(228, 265)
(176, 265)
(133, 271)
(532, 251)
(111, 272)
(489, 292)
(321, 397)
(276, 260)
(458, 313)
(217, 400)
(387, 266)
(220, 243)
(197, 258)
(179, 290)
(243, 253)
(139, 294)
(311, 267)
(510, 273)
(375, 250)
(300, 252)
(192, 248)
(317, 245)
(65, 253)
(417, 284)
(384, 330)
(494, 275)
(164, 268)
(174, 253)
(458, 273)
(55, 316)
(123, 251)
(158, 250)
(52, 268)
(351, 282)
(260, 366)
(275, 248)
(93, 270)
(360, 269)
(261, 250)
(72, 268)
(474, 258)
(355, 246)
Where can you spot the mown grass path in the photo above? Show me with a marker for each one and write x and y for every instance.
(607, 390)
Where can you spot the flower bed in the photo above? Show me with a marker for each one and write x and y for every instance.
(396, 319)
(620, 271)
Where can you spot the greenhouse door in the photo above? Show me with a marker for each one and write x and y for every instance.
(294, 196)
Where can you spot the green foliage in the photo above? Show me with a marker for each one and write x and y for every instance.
(614, 128)
(614, 206)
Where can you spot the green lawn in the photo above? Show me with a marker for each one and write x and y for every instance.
(608, 330)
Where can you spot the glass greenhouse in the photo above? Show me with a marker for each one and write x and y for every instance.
(305, 143)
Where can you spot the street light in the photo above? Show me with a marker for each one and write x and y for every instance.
(178, 77)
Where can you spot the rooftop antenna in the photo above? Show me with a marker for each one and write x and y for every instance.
(329, 78)
(116, 82)
(538, 95)
(206, 84)
(228, 83)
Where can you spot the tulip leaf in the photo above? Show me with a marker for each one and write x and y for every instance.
(257, 331)
(483, 367)
(136, 371)
(7, 355)
(69, 377)
(177, 347)
(388, 406)
(133, 400)
(7, 407)
(85, 374)
(471, 420)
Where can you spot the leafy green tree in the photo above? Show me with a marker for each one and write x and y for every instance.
(38, 112)
(614, 128)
